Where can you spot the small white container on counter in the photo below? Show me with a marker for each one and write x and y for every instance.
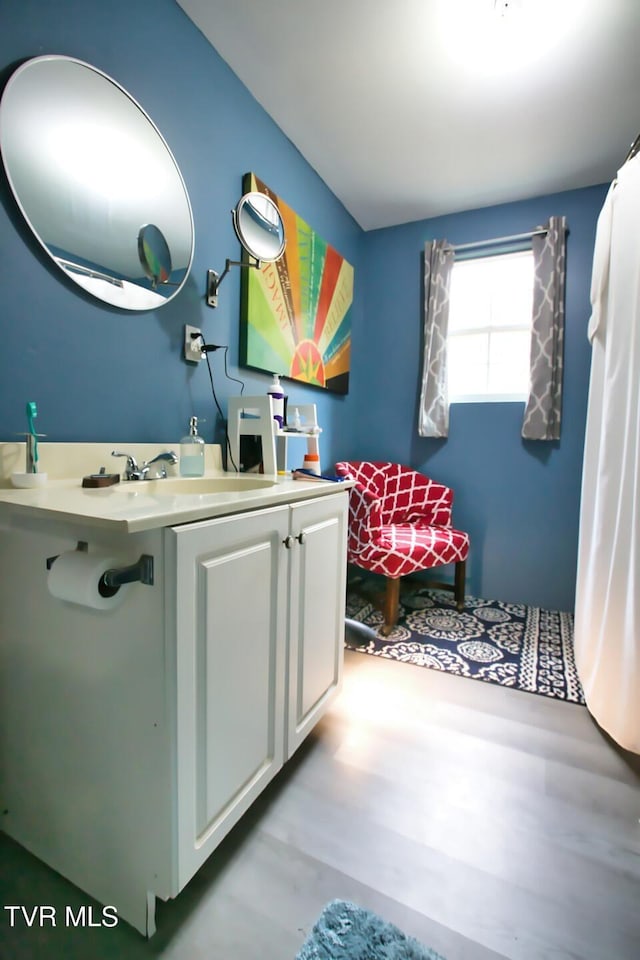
(28, 479)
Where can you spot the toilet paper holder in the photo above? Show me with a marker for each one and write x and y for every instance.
(114, 578)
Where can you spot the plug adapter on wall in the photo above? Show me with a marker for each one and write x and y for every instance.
(192, 347)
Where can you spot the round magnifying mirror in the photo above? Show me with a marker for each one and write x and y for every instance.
(259, 227)
(154, 254)
(96, 182)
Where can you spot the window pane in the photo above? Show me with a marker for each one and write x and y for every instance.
(512, 292)
(509, 362)
(469, 293)
(468, 364)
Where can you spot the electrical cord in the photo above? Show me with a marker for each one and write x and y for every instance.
(227, 375)
(208, 348)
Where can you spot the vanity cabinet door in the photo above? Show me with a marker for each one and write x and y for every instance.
(317, 606)
(230, 632)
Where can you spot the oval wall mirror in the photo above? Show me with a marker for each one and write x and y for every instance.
(96, 182)
(259, 227)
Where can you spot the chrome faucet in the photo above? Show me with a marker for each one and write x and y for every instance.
(167, 456)
(133, 472)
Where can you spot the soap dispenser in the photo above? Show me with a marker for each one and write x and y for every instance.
(192, 452)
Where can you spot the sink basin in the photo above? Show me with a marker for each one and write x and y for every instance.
(173, 486)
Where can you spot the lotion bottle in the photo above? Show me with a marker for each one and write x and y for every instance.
(192, 452)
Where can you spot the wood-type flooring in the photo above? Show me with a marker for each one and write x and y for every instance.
(486, 822)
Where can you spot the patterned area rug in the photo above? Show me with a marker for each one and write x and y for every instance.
(345, 931)
(506, 643)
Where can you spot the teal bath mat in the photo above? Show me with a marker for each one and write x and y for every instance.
(345, 931)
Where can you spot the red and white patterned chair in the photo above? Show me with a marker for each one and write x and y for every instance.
(399, 523)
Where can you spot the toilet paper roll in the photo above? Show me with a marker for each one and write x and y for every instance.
(75, 577)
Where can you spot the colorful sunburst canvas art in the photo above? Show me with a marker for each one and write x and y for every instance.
(296, 312)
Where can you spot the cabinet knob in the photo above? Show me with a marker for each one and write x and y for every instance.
(289, 541)
(301, 537)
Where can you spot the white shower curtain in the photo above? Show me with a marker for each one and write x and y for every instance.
(607, 622)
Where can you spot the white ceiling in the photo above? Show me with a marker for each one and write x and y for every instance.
(413, 108)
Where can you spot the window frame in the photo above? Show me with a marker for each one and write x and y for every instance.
(487, 330)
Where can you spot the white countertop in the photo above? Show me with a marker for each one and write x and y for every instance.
(132, 506)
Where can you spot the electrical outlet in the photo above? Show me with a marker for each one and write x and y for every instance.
(192, 348)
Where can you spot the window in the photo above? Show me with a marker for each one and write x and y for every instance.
(489, 337)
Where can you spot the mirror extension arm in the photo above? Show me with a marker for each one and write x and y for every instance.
(214, 281)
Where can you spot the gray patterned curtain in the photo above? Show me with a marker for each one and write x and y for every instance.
(433, 414)
(544, 407)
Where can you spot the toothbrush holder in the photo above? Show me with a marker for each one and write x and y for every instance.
(26, 480)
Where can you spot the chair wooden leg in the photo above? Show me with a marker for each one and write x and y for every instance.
(459, 582)
(391, 603)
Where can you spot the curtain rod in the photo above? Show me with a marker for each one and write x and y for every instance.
(633, 150)
(498, 240)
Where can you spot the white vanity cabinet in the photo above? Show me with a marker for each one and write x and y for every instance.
(256, 607)
(132, 740)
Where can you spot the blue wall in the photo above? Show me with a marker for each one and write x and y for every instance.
(98, 373)
(518, 499)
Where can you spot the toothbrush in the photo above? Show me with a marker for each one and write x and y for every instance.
(32, 413)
